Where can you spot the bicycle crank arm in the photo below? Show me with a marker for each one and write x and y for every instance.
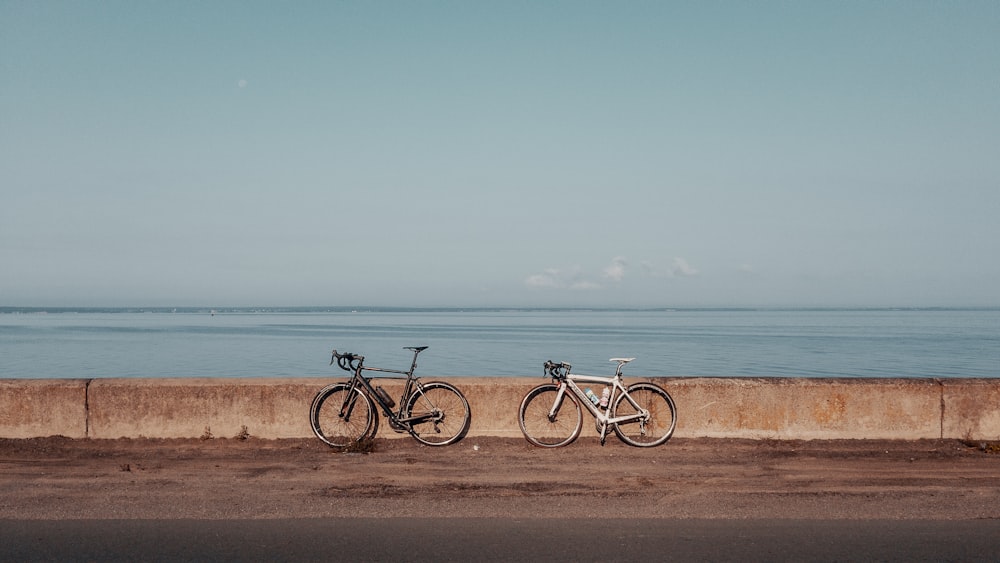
(436, 417)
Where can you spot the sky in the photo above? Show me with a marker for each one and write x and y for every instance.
(580, 154)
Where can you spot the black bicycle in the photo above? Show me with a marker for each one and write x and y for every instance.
(434, 413)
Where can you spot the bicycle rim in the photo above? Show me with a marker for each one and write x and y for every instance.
(545, 432)
(442, 414)
(648, 431)
(359, 420)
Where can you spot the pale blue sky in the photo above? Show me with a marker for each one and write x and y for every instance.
(500, 153)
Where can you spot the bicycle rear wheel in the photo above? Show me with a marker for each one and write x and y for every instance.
(442, 414)
(652, 430)
(358, 422)
(542, 430)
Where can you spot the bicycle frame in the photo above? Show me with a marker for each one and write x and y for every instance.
(412, 384)
(344, 412)
(568, 381)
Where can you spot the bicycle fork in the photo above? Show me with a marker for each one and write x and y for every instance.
(350, 399)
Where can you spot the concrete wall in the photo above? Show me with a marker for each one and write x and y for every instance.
(971, 409)
(43, 407)
(757, 408)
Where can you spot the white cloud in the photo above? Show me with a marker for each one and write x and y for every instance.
(555, 278)
(616, 271)
(548, 279)
(575, 279)
(681, 268)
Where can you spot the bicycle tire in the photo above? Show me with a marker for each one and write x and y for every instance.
(331, 428)
(538, 428)
(454, 414)
(662, 420)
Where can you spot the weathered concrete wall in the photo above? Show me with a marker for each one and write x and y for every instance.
(780, 408)
(808, 408)
(43, 407)
(971, 409)
(195, 407)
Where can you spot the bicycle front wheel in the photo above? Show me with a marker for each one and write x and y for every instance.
(341, 429)
(547, 431)
(652, 430)
(439, 414)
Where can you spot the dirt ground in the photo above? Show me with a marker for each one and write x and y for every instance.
(59, 478)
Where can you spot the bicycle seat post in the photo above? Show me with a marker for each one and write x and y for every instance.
(621, 364)
(416, 350)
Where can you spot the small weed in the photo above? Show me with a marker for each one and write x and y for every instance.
(988, 446)
(207, 435)
(984, 446)
(363, 446)
(243, 434)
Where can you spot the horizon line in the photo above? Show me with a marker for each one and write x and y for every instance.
(456, 308)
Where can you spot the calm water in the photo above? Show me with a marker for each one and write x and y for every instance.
(245, 343)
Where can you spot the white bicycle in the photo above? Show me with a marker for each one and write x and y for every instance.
(642, 414)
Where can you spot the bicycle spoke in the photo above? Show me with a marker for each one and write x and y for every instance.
(658, 419)
(340, 417)
(540, 427)
(438, 413)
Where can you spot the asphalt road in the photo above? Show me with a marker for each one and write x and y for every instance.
(479, 539)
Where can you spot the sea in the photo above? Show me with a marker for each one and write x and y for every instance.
(490, 342)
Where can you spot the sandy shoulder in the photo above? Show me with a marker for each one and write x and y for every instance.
(57, 478)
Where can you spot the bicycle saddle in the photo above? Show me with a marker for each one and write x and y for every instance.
(415, 348)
